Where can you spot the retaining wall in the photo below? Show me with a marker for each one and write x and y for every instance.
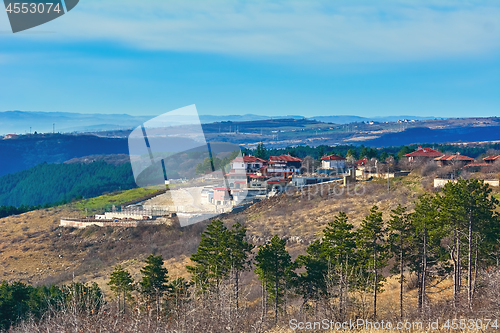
(438, 182)
(83, 223)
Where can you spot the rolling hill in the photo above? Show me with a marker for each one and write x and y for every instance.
(46, 184)
(29, 150)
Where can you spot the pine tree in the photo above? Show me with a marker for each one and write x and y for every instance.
(154, 280)
(122, 284)
(339, 247)
(405, 150)
(400, 239)
(274, 267)
(480, 206)
(428, 234)
(211, 260)
(329, 263)
(351, 152)
(261, 151)
(179, 292)
(237, 252)
(452, 218)
(311, 284)
(469, 208)
(373, 250)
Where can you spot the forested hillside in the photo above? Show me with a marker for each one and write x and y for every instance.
(49, 183)
(30, 150)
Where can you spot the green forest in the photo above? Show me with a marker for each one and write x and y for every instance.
(46, 184)
(11, 210)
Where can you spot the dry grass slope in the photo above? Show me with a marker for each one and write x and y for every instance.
(33, 249)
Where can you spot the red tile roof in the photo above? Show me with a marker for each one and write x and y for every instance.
(333, 158)
(362, 161)
(249, 159)
(221, 189)
(454, 157)
(286, 158)
(424, 152)
(492, 158)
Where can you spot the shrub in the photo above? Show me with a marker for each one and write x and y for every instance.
(428, 168)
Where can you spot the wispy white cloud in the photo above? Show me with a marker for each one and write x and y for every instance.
(340, 31)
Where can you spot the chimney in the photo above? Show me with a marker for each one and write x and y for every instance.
(419, 148)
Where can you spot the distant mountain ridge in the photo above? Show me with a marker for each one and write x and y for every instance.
(21, 122)
(246, 117)
(356, 119)
(427, 135)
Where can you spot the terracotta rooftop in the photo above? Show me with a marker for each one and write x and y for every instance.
(249, 159)
(492, 158)
(424, 152)
(454, 157)
(362, 161)
(286, 158)
(333, 158)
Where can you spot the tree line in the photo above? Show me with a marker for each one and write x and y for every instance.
(19, 301)
(11, 210)
(358, 152)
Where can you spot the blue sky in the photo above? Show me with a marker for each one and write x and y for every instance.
(427, 58)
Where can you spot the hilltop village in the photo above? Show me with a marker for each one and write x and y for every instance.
(250, 179)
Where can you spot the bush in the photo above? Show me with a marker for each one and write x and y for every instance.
(428, 169)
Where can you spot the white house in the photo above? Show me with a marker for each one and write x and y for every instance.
(247, 163)
(333, 162)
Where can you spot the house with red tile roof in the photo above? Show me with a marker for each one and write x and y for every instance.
(283, 165)
(485, 166)
(423, 154)
(362, 162)
(477, 166)
(491, 159)
(247, 163)
(333, 162)
(454, 159)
